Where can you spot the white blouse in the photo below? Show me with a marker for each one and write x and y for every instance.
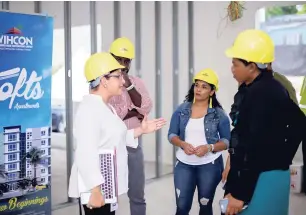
(96, 127)
(195, 135)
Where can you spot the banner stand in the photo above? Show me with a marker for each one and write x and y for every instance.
(26, 42)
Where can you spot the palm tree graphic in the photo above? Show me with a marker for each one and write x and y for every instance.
(2, 172)
(35, 157)
(3, 184)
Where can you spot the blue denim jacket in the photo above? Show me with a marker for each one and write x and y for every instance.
(216, 124)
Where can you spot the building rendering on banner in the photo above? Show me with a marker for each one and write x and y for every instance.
(18, 149)
(12, 154)
(39, 138)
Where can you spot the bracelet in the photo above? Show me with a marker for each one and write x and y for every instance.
(209, 148)
(130, 87)
(212, 148)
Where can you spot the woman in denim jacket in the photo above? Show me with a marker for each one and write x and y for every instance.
(201, 130)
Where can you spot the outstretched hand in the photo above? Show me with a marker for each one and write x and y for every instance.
(149, 126)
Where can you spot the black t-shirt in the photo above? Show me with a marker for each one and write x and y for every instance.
(235, 112)
(265, 141)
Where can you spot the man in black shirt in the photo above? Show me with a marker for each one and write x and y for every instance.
(268, 125)
(238, 99)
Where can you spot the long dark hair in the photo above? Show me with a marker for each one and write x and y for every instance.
(190, 96)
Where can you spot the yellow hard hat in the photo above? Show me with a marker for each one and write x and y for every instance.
(123, 47)
(100, 64)
(209, 76)
(253, 46)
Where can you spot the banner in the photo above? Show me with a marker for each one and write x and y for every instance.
(25, 117)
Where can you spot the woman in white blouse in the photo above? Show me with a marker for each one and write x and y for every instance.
(97, 127)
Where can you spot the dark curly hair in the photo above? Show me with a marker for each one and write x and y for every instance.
(190, 96)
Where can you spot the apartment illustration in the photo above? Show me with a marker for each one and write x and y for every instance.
(14, 147)
(12, 155)
(39, 138)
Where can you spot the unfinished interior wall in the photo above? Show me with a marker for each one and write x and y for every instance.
(208, 48)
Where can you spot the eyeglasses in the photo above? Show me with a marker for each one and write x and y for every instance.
(115, 76)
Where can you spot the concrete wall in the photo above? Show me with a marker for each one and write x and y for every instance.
(209, 47)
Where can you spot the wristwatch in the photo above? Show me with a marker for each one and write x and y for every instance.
(130, 87)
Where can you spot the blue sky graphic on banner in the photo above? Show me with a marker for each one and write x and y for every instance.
(26, 69)
(25, 119)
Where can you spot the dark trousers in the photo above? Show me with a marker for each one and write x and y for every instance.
(105, 210)
(136, 181)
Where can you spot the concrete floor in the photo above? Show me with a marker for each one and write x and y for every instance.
(59, 188)
(159, 193)
(161, 201)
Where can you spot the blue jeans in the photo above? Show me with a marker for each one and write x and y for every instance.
(205, 177)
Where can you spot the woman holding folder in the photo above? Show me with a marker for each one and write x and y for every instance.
(97, 127)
